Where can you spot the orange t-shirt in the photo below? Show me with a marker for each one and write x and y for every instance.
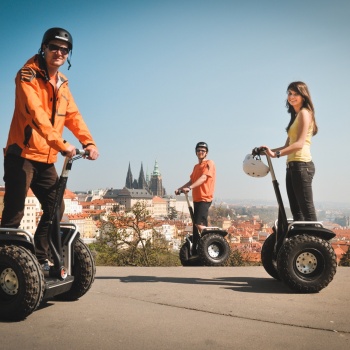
(204, 192)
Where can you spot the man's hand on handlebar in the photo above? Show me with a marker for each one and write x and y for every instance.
(90, 152)
(70, 151)
(182, 190)
(93, 152)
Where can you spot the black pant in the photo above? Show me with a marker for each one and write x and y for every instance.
(299, 189)
(19, 175)
(200, 213)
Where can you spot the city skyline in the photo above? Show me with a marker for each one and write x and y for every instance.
(152, 78)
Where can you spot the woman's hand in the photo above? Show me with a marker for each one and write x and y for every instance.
(268, 151)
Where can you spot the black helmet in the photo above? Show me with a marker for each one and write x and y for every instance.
(58, 34)
(203, 145)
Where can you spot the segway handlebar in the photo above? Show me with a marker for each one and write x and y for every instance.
(78, 152)
(178, 192)
(258, 151)
(55, 243)
(282, 216)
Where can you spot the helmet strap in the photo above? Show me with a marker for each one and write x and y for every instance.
(68, 60)
(42, 64)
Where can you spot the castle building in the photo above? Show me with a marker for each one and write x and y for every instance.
(152, 184)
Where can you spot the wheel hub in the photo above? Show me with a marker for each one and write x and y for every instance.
(9, 281)
(214, 251)
(306, 263)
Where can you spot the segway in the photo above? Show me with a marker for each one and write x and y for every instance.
(24, 285)
(299, 253)
(212, 247)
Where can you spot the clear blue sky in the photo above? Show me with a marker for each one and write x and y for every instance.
(154, 77)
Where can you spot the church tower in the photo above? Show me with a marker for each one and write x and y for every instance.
(156, 186)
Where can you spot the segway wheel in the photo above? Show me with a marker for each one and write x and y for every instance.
(267, 256)
(21, 283)
(84, 271)
(306, 264)
(185, 256)
(213, 250)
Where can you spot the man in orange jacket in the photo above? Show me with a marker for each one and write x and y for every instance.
(202, 182)
(44, 105)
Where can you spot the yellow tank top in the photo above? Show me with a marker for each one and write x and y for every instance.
(303, 155)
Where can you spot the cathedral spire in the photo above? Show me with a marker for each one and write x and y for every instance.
(129, 180)
(142, 182)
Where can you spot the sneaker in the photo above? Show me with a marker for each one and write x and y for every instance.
(46, 265)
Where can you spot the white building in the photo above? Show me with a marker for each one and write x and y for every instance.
(160, 207)
(31, 207)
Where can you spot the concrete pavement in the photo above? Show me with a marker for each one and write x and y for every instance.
(189, 308)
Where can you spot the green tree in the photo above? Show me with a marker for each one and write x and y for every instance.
(217, 213)
(235, 259)
(132, 239)
(345, 259)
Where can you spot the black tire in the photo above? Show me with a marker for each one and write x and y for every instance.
(83, 270)
(22, 283)
(213, 250)
(185, 255)
(267, 256)
(306, 263)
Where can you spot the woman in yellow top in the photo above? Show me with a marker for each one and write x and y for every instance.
(300, 168)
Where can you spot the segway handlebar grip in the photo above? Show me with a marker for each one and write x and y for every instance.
(178, 192)
(81, 152)
(257, 151)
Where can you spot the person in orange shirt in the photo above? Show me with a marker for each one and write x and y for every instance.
(202, 184)
(44, 105)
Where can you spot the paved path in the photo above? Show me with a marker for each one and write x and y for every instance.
(189, 308)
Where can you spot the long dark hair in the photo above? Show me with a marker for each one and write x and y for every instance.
(301, 88)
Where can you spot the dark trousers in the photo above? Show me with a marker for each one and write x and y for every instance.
(299, 189)
(200, 214)
(19, 175)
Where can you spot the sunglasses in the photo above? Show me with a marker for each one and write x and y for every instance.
(55, 48)
(201, 150)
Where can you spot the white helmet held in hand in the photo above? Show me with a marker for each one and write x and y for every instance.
(253, 166)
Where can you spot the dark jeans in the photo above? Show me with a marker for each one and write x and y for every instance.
(299, 189)
(19, 175)
(200, 213)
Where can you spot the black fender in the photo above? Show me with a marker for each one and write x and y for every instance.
(215, 230)
(15, 239)
(316, 231)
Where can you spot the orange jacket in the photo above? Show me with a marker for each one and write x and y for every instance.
(41, 114)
